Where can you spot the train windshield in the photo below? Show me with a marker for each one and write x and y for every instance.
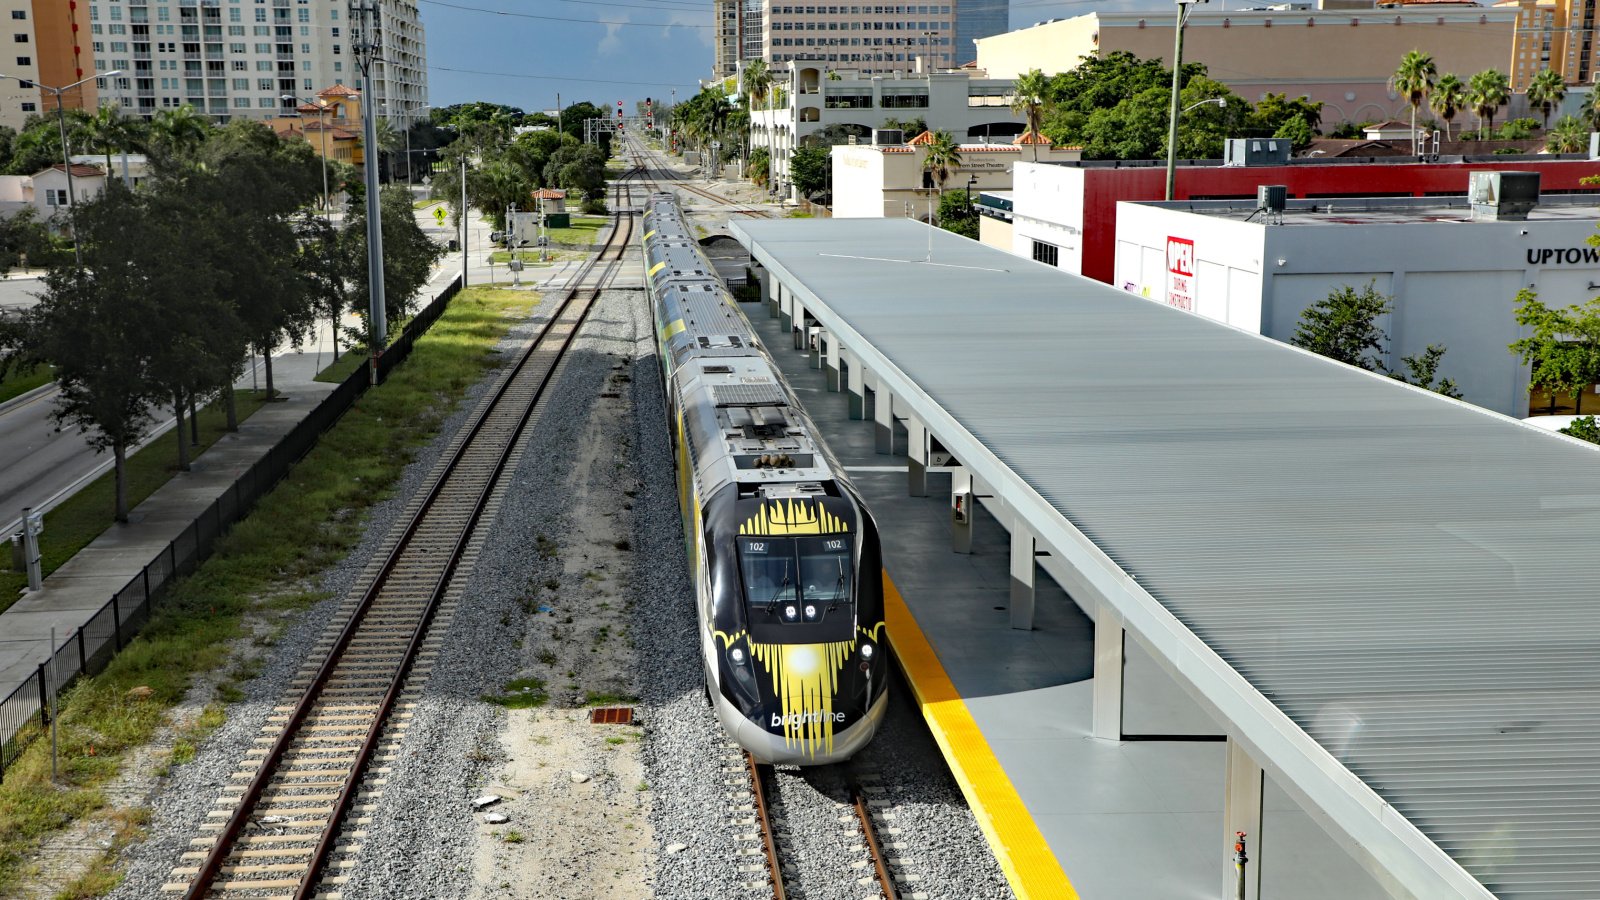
(796, 580)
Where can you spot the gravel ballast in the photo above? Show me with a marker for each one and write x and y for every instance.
(423, 834)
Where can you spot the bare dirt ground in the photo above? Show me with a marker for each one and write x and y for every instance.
(575, 793)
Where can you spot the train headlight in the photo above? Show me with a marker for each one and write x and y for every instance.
(738, 656)
(866, 651)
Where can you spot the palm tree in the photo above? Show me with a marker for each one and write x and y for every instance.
(1415, 79)
(1589, 113)
(1571, 135)
(390, 141)
(1547, 90)
(1449, 98)
(1027, 97)
(1487, 91)
(758, 89)
(179, 130)
(942, 155)
(111, 131)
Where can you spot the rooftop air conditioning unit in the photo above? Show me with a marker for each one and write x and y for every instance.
(1272, 197)
(1502, 196)
(1256, 151)
(887, 137)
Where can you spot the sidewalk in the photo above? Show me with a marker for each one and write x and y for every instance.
(81, 587)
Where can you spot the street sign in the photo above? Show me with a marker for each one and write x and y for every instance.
(439, 214)
(716, 145)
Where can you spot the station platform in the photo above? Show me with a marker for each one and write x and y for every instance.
(1066, 814)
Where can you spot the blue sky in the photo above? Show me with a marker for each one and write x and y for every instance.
(647, 54)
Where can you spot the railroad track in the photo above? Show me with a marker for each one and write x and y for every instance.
(666, 176)
(291, 824)
(774, 848)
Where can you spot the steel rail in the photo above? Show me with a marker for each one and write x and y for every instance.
(220, 851)
(875, 850)
(764, 822)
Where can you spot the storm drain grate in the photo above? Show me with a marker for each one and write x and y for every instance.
(611, 715)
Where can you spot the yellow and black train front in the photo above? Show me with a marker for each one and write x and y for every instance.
(788, 576)
(797, 609)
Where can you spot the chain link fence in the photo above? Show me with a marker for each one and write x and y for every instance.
(87, 651)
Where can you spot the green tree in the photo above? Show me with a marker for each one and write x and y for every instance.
(252, 185)
(1584, 429)
(1344, 327)
(1298, 131)
(1449, 98)
(1546, 91)
(808, 170)
(1589, 112)
(1423, 369)
(495, 186)
(1136, 128)
(38, 145)
(1277, 110)
(531, 152)
(1562, 346)
(760, 166)
(909, 127)
(1414, 79)
(1570, 135)
(408, 253)
(1028, 95)
(579, 168)
(942, 155)
(1487, 91)
(24, 237)
(573, 117)
(957, 213)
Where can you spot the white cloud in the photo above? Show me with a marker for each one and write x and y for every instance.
(612, 42)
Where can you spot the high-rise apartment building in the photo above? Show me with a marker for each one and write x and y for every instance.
(1554, 34)
(979, 19)
(867, 38)
(38, 34)
(243, 58)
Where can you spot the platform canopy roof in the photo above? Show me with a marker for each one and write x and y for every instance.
(1388, 596)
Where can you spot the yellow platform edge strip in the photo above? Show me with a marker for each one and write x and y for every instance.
(1024, 857)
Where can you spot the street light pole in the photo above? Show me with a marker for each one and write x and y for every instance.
(66, 151)
(367, 51)
(1184, 7)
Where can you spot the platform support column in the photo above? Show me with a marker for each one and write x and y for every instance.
(775, 299)
(883, 418)
(1023, 564)
(830, 361)
(816, 338)
(1110, 642)
(1241, 811)
(855, 385)
(916, 458)
(799, 329)
(963, 509)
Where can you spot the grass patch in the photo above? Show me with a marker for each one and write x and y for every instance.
(602, 698)
(87, 514)
(15, 384)
(583, 230)
(336, 372)
(528, 257)
(313, 519)
(797, 214)
(424, 204)
(513, 837)
(520, 693)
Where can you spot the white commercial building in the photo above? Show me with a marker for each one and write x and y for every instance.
(1454, 280)
(240, 60)
(808, 101)
(877, 180)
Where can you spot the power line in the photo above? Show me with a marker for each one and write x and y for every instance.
(522, 15)
(577, 78)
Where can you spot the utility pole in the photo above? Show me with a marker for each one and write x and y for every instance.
(559, 119)
(366, 47)
(1184, 8)
(463, 220)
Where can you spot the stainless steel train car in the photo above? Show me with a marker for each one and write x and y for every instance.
(788, 575)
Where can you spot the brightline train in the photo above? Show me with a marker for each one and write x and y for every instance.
(787, 572)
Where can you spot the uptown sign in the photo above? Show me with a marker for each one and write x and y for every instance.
(1570, 256)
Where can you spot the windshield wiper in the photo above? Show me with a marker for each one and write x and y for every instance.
(772, 603)
(838, 593)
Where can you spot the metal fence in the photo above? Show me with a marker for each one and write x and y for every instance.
(90, 649)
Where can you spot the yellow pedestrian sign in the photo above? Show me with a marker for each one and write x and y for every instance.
(439, 214)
